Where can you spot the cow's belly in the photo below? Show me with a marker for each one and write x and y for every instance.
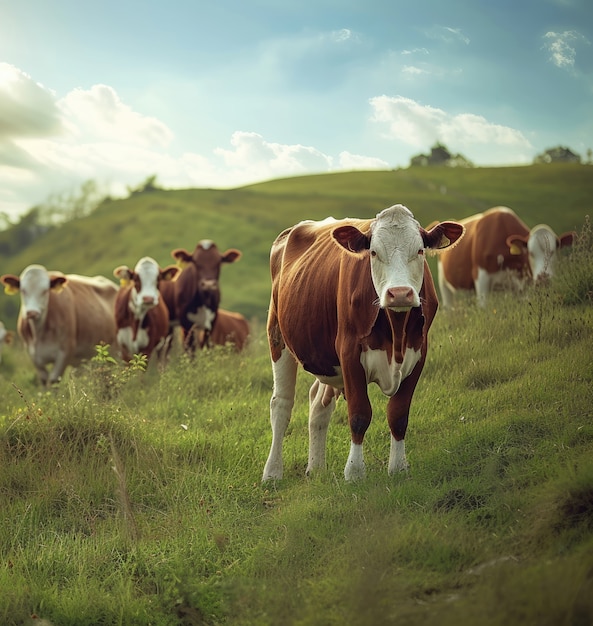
(43, 353)
(388, 375)
(336, 381)
(504, 280)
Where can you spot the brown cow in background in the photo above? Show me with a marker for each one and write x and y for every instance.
(197, 289)
(498, 251)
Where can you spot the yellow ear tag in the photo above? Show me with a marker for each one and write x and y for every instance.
(181, 263)
(445, 241)
(9, 290)
(58, 288)
(515, 249)
(124, 282)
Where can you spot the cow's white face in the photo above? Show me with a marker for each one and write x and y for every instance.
(541, 247)
(397, 258)
(145, 292)
(34, 289)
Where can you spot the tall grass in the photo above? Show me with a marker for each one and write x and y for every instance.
(134, 497)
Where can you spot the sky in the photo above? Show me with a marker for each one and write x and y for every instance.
(228, 93)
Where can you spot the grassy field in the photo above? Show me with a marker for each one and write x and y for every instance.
(131, 497)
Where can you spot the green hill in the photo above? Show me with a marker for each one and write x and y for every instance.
(248, 218)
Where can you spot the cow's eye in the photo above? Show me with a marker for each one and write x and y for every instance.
(373, 253)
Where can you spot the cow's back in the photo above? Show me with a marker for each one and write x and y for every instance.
(230, 327)
(457, 263)
(484, 246)
(93, 302)
(313, 278)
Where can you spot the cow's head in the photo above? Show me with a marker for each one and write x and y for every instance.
(541, 246)
(34, 284)
(396, 243)
(145, 279)
(197, 290)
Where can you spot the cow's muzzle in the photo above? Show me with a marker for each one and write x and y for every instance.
(401, 298)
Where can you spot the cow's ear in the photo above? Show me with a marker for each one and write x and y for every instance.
(170, 272)
(57, 283)
(183, 257)
(124, 273)
(517, 244)
(567, 239)
(352, 239)
(231, 255)
(442, 235)
(11, 284)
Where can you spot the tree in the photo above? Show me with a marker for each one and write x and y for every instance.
(440, 155)
(559, 154)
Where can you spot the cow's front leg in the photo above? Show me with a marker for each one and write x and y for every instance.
(285, 372)
(58, 368)
(322, 402)
(359, 418)
(398, 410)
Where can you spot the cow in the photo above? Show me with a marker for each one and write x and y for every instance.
(352, 301)
(230, 328)
(141, 314)
(6, 337)
(498, 251)
(197, 289)
(62, 317)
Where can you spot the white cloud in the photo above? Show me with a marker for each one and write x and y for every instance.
(349, 161)
(447, 34)
(53, 145)
(561, 47)
(414, 51)
(420, 126)
(412, 69)
(27, 109)
(98, 113)
(256, 157)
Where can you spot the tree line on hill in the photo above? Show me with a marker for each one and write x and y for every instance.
(441, 156)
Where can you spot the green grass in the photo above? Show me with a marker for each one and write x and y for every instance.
(135, 497)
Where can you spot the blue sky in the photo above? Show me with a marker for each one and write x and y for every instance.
(226, 93)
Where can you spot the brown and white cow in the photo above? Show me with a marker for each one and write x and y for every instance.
(6, 337)
(498, 251)
(141, 314)
(62, 317)
(352, 302)
(230, 328)
(197, 288)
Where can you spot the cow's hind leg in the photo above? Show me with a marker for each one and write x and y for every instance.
(322, 402)
(284, 370)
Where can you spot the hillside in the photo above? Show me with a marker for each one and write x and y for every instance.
(248, 218)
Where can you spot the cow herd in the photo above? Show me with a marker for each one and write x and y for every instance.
(352, 301)
(63, 317)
